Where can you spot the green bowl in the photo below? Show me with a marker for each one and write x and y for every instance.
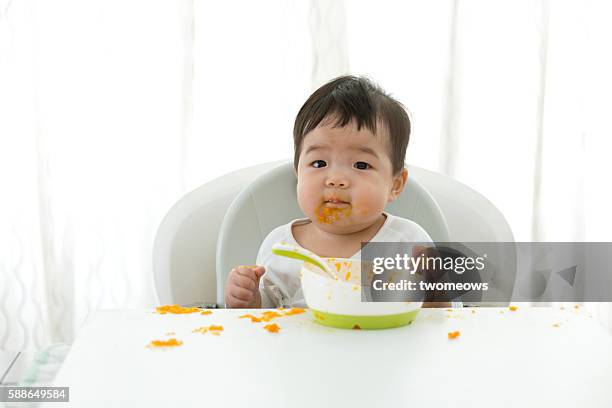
(338, 302)
(364, 322)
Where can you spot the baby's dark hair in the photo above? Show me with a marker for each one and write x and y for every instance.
(349, 98)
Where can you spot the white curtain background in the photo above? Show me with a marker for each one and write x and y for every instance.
(111, 110)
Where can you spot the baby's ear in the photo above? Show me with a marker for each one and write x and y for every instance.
(399, 182)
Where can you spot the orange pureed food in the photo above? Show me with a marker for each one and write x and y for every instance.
(272, 327)
(328, 215)
(271, 314)
(212, 329)
(254, 319)
(294, 311)
(453, 335)
(176, 309)
(165, 343)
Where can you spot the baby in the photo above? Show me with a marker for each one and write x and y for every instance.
(350, 141)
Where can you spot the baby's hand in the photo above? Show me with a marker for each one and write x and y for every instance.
(242, 287)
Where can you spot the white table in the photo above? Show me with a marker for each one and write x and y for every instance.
(502, 359)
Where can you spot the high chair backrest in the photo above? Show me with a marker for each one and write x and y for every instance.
(222, 223)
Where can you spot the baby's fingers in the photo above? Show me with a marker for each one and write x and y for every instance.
(244, 281)
(252, 272)
(235, 303)
(241, 294)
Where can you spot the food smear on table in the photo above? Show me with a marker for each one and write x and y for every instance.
(265, 316)
(294, 311)
(165, 343)
(272, 327)
(270, 314)
(513, 308)
(176, 309)
(253, 318)
(206, 312)
(212, 329)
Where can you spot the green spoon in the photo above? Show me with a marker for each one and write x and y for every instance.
(296, 252)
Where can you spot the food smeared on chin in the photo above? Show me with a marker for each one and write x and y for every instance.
(329, 215)
(332, 209)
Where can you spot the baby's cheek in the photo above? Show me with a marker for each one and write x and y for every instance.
(367, 205)
(362, 211)
(306, 199)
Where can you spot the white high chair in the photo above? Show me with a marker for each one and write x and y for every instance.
(222, 223)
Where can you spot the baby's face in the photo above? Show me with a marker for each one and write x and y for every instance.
(345, 178)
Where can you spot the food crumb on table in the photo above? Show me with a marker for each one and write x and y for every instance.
(272, 327)
(165, 343)
(513, 308)
(453, 335)
(212, 329)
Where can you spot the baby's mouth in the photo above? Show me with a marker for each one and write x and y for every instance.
(336, 203)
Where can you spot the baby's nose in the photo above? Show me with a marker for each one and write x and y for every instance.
(337, 181)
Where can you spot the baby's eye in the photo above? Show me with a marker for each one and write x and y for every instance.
(317, 164)
(362, 166)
